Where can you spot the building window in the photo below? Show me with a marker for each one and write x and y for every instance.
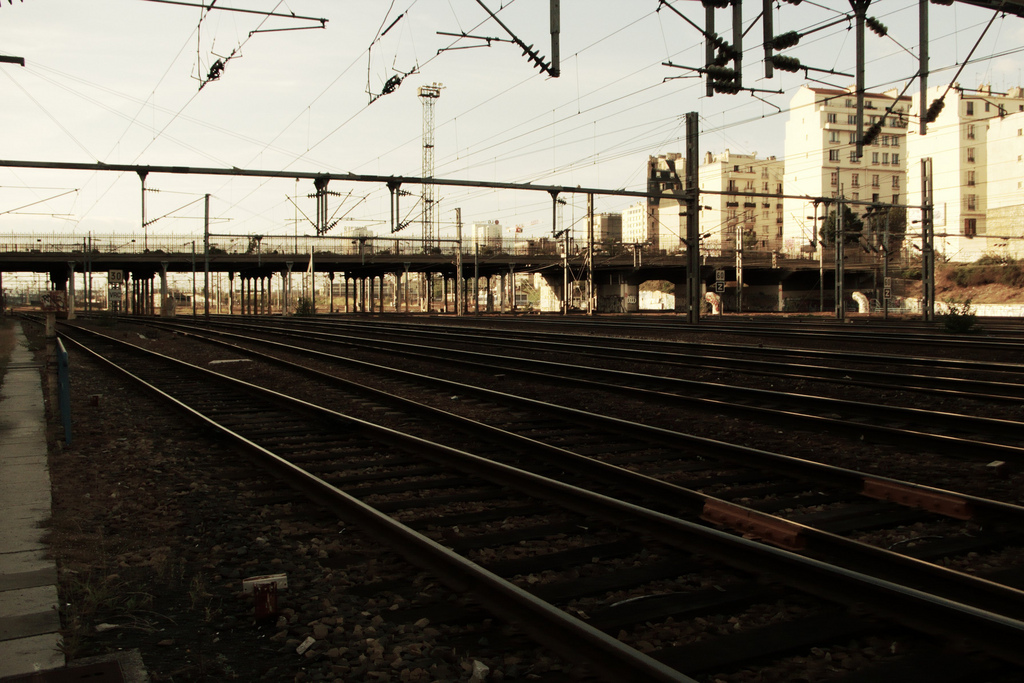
(855, 180)
(856, 196)
(895, 182)
(987, 106)
(885, 141)
(831, 118)
(970, 131)
(850, 103)
(970, 227)
(874, 181)
(851, 119)
(895, 199)
(764, 187)
(833, 136)
(970, 108)
(970, 154)
(835, 178)
(732, 186)
(972, 202)
(833, 155)
(874, 197)
(970, 178)
(853, 137)
(778, 188)
(854, 159)
(874, 157)
(885, 157)
(895, 158)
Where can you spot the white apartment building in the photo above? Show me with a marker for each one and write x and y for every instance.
(757, 222)
(1004, 224)
(974, 148)
(822, 161)
(635, 224)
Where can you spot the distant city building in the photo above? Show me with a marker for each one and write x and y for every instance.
(485, 235)
(976, 163)
(607, 228)
(665, 175)
(725, 218)
(636, 224)
(821, 156)
(1004, 226)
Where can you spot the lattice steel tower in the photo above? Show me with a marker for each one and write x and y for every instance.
(428, 93)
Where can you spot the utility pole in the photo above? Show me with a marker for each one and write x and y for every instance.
(145, 225)
(840, 310)
(927, 241)
(691, 192)
(590, 254)
(206, 256)
(458, 264)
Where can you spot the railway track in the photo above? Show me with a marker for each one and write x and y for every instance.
(956, 434)
(465, 504)
(788, 501)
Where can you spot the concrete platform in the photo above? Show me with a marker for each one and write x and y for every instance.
(29, 620)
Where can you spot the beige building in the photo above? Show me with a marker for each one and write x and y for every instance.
(975, 151)
(725, 218)
(607, 228)
(1004, 224)
(822, 160)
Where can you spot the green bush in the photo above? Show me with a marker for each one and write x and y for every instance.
(960, 318)
(305, 306)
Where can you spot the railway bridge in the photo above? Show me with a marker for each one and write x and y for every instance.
(136, 268)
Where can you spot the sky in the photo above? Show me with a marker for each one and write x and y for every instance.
(119, 81)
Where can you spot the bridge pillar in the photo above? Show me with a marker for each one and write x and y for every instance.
(551, 292)
(71, 290)
(286, 289)
(618, 297)
(166, 302)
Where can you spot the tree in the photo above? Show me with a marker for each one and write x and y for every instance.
(852, 227)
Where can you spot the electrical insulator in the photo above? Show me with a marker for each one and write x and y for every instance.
(725, 88)
(942, 2)
(784, 40)
(872, 133)
(721, 73)
(933, 110)
(784, 63)
(876, 26)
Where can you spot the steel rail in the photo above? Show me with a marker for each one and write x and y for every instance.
(932, 614)
(549, 625)
(729, 397)
(617, 348)
(932, 362)
(935, 579)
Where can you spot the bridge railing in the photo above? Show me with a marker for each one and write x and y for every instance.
(299, 245)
